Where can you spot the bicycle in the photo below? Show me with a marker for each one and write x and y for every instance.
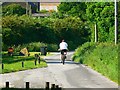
(63, 57)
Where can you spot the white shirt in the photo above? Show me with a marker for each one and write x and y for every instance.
(63, 45)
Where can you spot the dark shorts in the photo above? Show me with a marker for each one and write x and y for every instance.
(63, 50)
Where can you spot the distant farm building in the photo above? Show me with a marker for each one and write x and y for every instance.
(49, 6)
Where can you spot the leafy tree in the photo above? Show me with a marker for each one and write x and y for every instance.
(13, 9)
(72, 29)
(25, 29)
(73, 9)
(18, 26)
(102, 13)
(11, 30)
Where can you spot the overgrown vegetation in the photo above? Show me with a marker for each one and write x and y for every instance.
(101, 14)
(103, 57)
(33, 47)
(25, 29)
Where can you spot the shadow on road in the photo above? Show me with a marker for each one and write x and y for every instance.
(54, 61)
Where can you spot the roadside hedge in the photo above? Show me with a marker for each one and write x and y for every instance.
(102, 57)
(33, 47)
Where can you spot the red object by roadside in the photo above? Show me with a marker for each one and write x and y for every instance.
(10, 49)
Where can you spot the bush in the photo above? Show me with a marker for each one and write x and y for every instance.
(52, 47)
(35, 47)
(88, 47)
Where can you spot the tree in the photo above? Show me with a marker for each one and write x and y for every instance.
(72, 29)
(73, 9)
(13, 9)
(25, 29)
(102, 13)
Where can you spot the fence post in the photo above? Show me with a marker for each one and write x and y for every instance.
(53, 87)
(27, 85)
(22, 64)
(60, 88)
(57, 87)
(47, 86)
(39, 60)
(2, 66)
(35, 59)
(35, 62)
(7, 84)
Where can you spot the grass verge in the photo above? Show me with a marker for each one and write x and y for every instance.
(102, 57)
(14, 63)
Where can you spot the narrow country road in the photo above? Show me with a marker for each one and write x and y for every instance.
(70, 75)
(74, 75)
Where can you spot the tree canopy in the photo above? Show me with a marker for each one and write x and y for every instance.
(73, 9)
(75, 23)
(13, 9)
(102, 13)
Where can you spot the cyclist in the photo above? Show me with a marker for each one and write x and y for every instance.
(63, 47)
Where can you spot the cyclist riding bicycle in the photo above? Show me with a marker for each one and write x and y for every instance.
(63, 47)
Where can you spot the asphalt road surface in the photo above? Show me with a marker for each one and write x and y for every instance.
(69, 75)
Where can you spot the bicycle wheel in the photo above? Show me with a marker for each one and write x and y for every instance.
(63, 58)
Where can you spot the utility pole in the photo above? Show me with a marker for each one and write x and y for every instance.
(95, 32)
(116, 22)
(27, 8)
(30, 10)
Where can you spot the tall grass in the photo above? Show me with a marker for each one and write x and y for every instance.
(102, 57)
